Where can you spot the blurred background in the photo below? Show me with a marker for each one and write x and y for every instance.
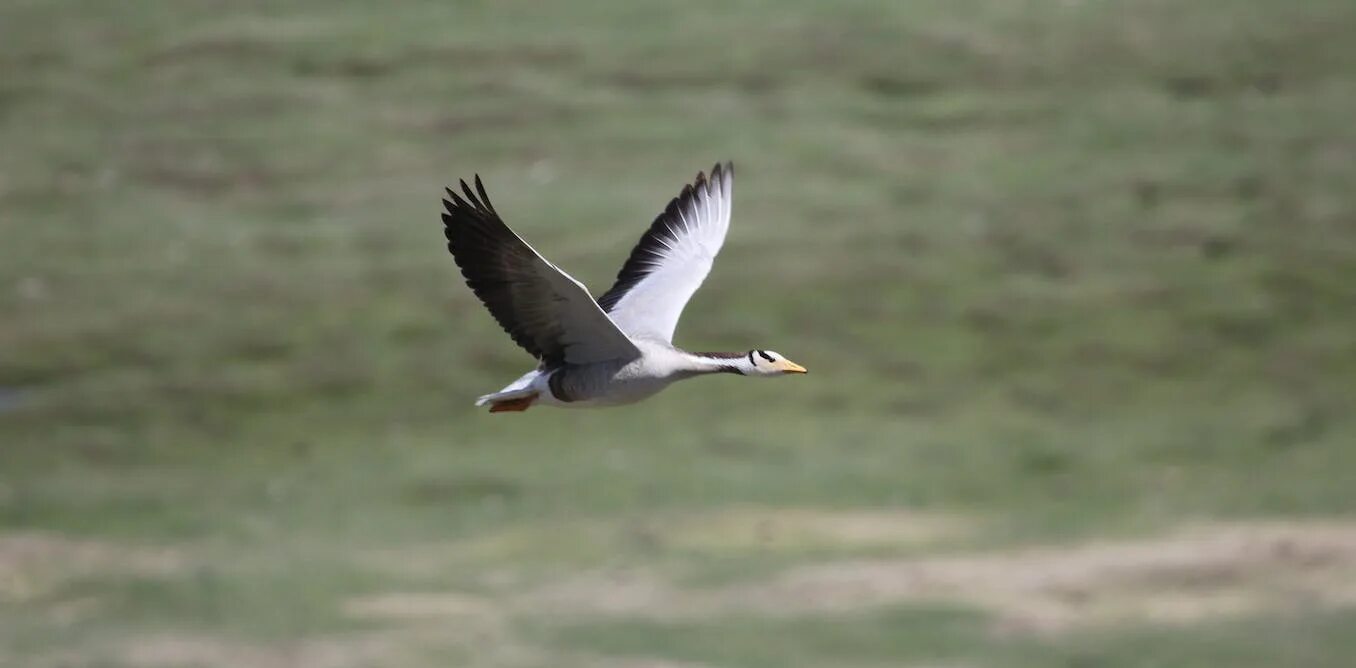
(1075, 280)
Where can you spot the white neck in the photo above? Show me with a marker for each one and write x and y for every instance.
(698, 363)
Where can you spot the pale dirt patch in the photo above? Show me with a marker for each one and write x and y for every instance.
(419, 605)
(430, 624)
(34, 563)
(644, 662)
(625, 593)
(401, 645)
(1188, 576)
(746, 529)
(203, 651)
(421, 645)
(654, 662)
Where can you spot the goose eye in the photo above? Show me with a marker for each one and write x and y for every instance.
(765, 356)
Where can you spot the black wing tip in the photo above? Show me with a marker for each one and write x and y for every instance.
(634, 270)
(720, 173)
(720, 176)
(453, 202)
(484, 196)
(722, 170)
(468, 201)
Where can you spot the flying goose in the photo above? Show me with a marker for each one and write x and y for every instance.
(616, 350)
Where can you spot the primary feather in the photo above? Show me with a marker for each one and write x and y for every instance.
(545, 310)
(672, 258)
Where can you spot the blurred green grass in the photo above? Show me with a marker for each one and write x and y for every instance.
(1067, 271)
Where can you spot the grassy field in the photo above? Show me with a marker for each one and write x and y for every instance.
(1075, 281)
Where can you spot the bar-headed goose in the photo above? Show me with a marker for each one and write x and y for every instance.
(616, 350)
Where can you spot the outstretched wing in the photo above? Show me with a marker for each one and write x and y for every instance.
(545, 310)
(673, 258)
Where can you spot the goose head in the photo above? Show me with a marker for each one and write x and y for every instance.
(769, 363)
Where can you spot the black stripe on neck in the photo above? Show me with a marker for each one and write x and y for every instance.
(726, 368)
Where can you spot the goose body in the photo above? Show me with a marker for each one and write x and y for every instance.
(615, 350)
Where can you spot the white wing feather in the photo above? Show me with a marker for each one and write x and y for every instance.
(672, 258)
